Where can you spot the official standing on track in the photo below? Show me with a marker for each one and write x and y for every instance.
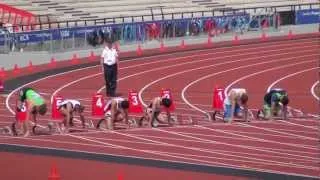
(109, 61)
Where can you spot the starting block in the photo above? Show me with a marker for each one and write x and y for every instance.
(217, 101)
(97, 105)
(134, 103)
(1, 85)
(135, 107)
(55, 114)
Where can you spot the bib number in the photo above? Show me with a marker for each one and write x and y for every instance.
(23, 107)
(99, 103)
(58, 102)
(220, 95)
(134, 100)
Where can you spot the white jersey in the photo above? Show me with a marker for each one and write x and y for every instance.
(107, 107)
(237, 92)
(66, 101)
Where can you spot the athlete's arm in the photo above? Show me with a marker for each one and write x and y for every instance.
(68, 113)
(83, 122)
(245, 111)
(168, 115)
(125, 115)
(113, 111)
(233, 105)
(155, 104)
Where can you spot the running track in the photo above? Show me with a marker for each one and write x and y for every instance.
(271, 148)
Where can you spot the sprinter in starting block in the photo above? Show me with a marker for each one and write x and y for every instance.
(235, 105)
(33, 104)
(275, 105)
(116, 110)
(153, 113)
(69, 107)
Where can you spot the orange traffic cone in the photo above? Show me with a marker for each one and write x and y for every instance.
(139, 50)
(16, 69)
(2, 73)
(30, 67)
(290, 34)
(182, 45)
(92, 56)
(74, 59)
(54, 175)
(162, 48)
(235, 39)
(263, 36)
(52, 63)
(120, 176)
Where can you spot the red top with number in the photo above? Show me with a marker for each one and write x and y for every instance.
(22, 114)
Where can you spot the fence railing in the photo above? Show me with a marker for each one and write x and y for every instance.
(83, 37)
(50, 24)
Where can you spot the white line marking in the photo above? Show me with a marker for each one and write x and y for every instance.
(227, 144)
(279, 132)
(274, 149)
(240, 67)
(209, 151)
(216, 164)
(260, 139)
(312, 90)
(309, 127)
(290, 75)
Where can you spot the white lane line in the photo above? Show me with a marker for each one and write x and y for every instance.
(240, 67)
(313, 92)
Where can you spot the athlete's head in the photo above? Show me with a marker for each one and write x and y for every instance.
(124, 104)
(244, 99)
(285, 100)
(166, 102)
(79, 108)
(42, 109)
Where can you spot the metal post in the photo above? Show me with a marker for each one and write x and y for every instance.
(85, 39)
(51, 44)
(73, 41)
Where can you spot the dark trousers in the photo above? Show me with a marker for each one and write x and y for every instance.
(110, 76)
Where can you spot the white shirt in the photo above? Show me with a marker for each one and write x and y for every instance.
(109, 56)
(238, 93)
(66, 101)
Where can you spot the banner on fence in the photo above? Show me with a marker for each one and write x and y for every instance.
(125, 28)
(308, 16)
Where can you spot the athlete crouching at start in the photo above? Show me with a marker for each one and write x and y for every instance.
(153, 111)
(35, 105)
(275, 104)
(67, 108)
(236, 100)
(116, 110)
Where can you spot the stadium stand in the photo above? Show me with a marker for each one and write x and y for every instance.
(138, 10)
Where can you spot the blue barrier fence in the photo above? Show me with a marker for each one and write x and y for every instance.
(308, 16)
(138, 31)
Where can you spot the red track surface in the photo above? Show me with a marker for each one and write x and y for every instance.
(288, 147)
